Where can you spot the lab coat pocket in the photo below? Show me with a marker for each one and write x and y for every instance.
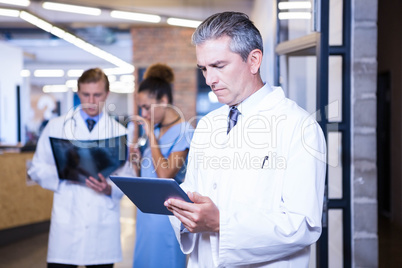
(107, 213)
(62, 205)
(265, 188)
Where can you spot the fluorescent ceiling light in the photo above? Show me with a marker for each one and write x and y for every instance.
(135, 16)
(120, 87)
(294, 15)
(74, 73)
(118, 71)
(72, 8)
(127, 78)
(55, 88)
(60, 33)
(23, 3)
(183, 22)
(49, 73)
(71, 38)
(294, 5)
(112, 78)
(9, 12)
(72, 83)
(44, 25)
(25, 73)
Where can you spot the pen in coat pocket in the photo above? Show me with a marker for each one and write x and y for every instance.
(263, 162)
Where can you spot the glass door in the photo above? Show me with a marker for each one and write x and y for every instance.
(313, 57)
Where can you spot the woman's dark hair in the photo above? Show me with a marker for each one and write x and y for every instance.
(157, 81)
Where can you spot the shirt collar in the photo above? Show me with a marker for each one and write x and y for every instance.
(253, 100)
(85, 116)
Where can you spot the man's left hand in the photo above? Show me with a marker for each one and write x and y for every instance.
(99, 186)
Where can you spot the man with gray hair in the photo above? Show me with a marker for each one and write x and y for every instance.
(256, 170)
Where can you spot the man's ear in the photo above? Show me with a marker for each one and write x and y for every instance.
(255, 59)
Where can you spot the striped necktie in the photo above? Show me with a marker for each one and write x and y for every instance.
(233, 114)
(90, 123)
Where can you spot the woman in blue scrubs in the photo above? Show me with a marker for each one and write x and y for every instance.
(164, 156)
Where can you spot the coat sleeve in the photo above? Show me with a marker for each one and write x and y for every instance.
(126, 170)
(254, 235)
(43, 169)
(186, 239)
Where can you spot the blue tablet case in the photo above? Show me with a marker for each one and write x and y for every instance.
(149, 194)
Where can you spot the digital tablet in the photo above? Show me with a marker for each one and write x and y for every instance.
(149, 194)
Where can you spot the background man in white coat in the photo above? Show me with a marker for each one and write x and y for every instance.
(85, 224)
(256, 167)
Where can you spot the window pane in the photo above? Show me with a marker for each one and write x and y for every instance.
(335, 22)
(334, 143)
(335, 238)
(335, 89)
(292, 28)
(300, 84)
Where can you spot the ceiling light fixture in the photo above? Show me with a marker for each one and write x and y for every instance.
(72, 83)
(135, 16)
(49, 73)
(54, 88)
(118, 71)
(72, 8)
(123, 67)
(25, 73)
(127, 78)
(9, 12)
(183, 22)
(23, 3)
(74, 73)
(294, 15)
(122, 87)
(112, 78)
(28, 17)
(294, 5)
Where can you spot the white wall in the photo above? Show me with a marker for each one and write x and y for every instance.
(10, 68)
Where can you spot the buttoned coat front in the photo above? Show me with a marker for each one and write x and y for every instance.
(267, 179)
(85, 225)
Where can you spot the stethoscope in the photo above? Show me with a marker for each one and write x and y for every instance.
(70, 117)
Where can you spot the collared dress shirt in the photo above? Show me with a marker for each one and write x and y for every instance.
(267, 179)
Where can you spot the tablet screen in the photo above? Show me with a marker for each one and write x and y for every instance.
(149, 194)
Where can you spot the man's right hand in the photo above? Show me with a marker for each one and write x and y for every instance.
(200, 216)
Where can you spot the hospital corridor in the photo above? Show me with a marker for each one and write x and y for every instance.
(31, 252)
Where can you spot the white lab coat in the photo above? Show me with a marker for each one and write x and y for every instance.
(268, 216)
(85, 225)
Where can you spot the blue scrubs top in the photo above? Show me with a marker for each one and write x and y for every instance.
(156, 244)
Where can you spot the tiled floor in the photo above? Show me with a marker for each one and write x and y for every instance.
(31, 253)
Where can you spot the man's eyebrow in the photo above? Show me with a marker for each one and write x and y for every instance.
(216, 63)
